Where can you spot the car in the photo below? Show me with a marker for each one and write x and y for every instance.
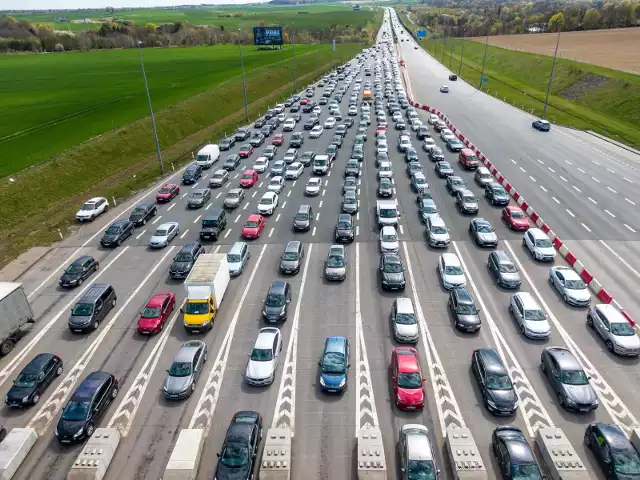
(185, 370)
(344, 229)
(529, 315)
(330, 122)
(191, 174)
(385, 170)
(389, 240)
(515, 218)
(184, 260)
(357, 152)
(291, 259)
(335, 265)
(467, 202)
(451, 271)
(541, 125)
(245, 151)
(237, 258)
(294, 171)
(350, 185)
(117, 233)
(313, 187)
(264, 357)
(407, 380)
(303, 218)
(453, 144)
(385, 188)
(278, 168)
(348, 122)
(497, 390)
(539, 245)
(428, 144)
(78, 271)
(259, 123)
(257, 139)
(614, 329)
(199, 197)
(316, 132)
(444, 89)
(296, 141)
(276, 303)
(331, 151)
(231, 162)
(306, 158)
(218, 178)
(416, 454)
(270, 152)
(439, 125)
(496, 194)
(464, 310)
(317, 110)
(433, 119)
(570, 286)
(483, 176)
(391, 272)
(454, 184)
(277, 140)
(614, 452)
(86, 407)
(228, 142)
(164, 234)
(92, 209)
(167, 192)
(156, 313)
(503, 270)
(446, 133)
(453, 77)
(437, 232)
(483, 233)
(514, 455)
(334, 365)
(92, 308)
(253, 227)
(242, 133)
(404, 321)
(249, 178)
(419, 182)
(276, 184)
(401, 125)
(233, 198)
(310, 123)
(352, 169)
(341, 130)
(33, 380)
(304, 102)
(416, 124)
(143, 213)
(289, 125)
(353, 111)
(349, 202)
(411, 155)
(427, 209)
(337, 140)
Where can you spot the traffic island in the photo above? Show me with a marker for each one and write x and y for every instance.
(276, 456)
(185, 457)
(96, 455)
(14, 449)
(371, 460)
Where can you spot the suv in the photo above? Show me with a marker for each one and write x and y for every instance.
(404, 320)
(498, 392)
(416, 452)
(618, 335)
(239, 451)
(213, 224)
(184, 260)
(503, 270)
(464, 310)
(291, 259)
(92, 308)
(277, 302)
(539, 244)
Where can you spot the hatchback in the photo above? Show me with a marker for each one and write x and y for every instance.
(264, 358)
(503, 270)
(570, 286)
(404, 321)
(616, 455)
(277, 301)
(334, 365)
(539, 245)
(240, 448)
(531, 319)
(407, 379)
(513, 454)
(291, 258)
(451, 271)
(79, 270)
(464, 310)
(33, 380)
(498, 392)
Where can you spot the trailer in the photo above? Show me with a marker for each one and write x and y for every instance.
(16, 316)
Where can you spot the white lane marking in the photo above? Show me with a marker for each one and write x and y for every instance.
(543, 189)
(294, 183)
(228, 233)
(611, 171)
(595, 179)
(563, 179)
(195, 185)
(261, 183)
(540, 161)
(329, 173)
(217, 249)
(19, 357)
(285, 411)
(401, 229)
(625, 178)
(614, 405)
(326, 183)
(185, 233)
(394, 190)
(581, 170)
(523, 170)
(441, 388)
(236, 175)
(238, 217)
(289, 193)
(622, 260)
(629, 228)
(630, 201)
(254, 194)
(592, 200)
(513, 161)
(218, 195)
(530, 404)
(358, 216)
(45, 415)
(585, 227)
(609, 213)
(125, 414)
(532, 179)
(320, 206)
(184, 194)
(140, 234)
(271, 232)
(313, 233)
(570, 213)
(594, 162)
(556, 200)
(568, 162)
(323, 192)
(157, 219)
(577, 189)
(317, 216)
(171, 206)
(246, 205)
(209, 205)
(357, 230)
(365, 403)
(611, 190)
(197, 219)
(277, 217)
(208, 400)
(551, 170)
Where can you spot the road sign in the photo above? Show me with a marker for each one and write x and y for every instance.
(421, 33)
(485, 79)
(267, 35)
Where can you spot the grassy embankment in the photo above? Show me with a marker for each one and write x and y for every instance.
(120, 162)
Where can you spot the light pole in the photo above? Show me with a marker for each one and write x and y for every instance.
(484, 59)
(244, 83)
(293, 45)
(464, 32)
(451, 52)
(153, 118)
(553, 66)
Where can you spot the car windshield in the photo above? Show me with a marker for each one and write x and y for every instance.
(138, 212)
(453, 270)
(266, 201)
(234, 456)
(26, 380)
(444, 166)
(409, 380)
(430, 209)
(534, 315)
(499, 382)
(622, 329)
(467, 309)
(499, 192)
(421, 470)
(261, 355)
(388, 212)
(82, 310)
(197, 195)
(183, 257)
(575, 285)
(151, 312)
(335, 261)
(438, 230)
(199, 308)
(508, 268)
(275, 300)
(75, 411)
(89, 206)
(626, 461)
(205, 223)
(73, 269)
(247, 176)
(469, 199)
(344, 225)
(406, 319)
(485, 228)
(251, 224)
(333, 362)
(233, 258)
(392, 267)
(166, 190)
(574, 377)
(543, 243)
(290, 256)
(302, 216)
(113, 230)
(525, 471)
(180, 369)
(517, 214)
(349, 200)
(320, 163)
(160, 233)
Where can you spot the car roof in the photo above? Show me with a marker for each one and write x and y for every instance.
(439, 221)
(265, 338)
(94, 199)
(388, 230)
(236, 190)
(336, 249)
(463, 295)
(418, 447)
(120, 223)
(611, 312)
(567, 272)
(466, 192)
(187, 351)
(254, 217)
(335, 345)
(404, 305)
(391, 258)
(166, 225)
(481, 221)
(81, 259)
(277, 178)
(87, 389)
(37, 362)
(345, 217)
(614, 435)
(450, 259)
(492, 361)
(292, 246)
(93, 292)
(565, 359)
(199, 190)
(237, 247)
(537, 233)
(277, 286)
(519, 450)
(407, 360)
(502, 257)
(269, 194)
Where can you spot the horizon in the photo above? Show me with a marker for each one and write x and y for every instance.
(25, 6)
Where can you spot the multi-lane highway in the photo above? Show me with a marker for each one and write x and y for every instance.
(324, 426)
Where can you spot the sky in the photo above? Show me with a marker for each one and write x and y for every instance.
(76, 4)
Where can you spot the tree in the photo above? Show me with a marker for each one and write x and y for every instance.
(591, 19)
(59, 47)
(556, 22)
(151, 27)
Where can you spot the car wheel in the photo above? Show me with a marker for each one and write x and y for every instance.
(160, 327)
(610, 346)
(589, 321)
(565, 298)
(80, 281)
(95, 324)
(522, 330)
(113, 303)
(89, 430)
(119, 242)
(193, 387)
(59, 370)
(587, 440)
(144, 221)
(35, 399)
(114, 392)
(3, 434)
(543, 367)
(560, 400)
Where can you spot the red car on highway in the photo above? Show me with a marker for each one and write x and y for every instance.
(253, 226)
(516, 219)
(381, 129)
(167, 193)
(248, 178)
(278, 139)
(246, 151)
(156, 313)
(304, 101)
(408, 389)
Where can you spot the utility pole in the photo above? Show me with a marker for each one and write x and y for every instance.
(462, 52)
(484, 59)
(244, 83)
(553, 66)
(451, 55)
(293, 44)
(153, 118)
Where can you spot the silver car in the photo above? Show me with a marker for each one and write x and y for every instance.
(335, 266)
(218, 178)
(569, 284)
(389, 242)
(483, 233)
(531, 319)
(278, 168)
(263, 359)
(233, 198)
(313, 187)
(618, 335)
(451, 271)
(164, 234)
(199, 198)
(185, 370)
(404, 320)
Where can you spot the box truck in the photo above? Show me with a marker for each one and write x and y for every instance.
(16, 317)
(208, 155)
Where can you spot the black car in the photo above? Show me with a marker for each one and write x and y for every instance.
(498, 392)
(231, 162)
(259, 123)
(191, 174)
(496, 194)
(385, 188)
(242, 134)
(295, 108)
(443, 169)
(236, 461)
(277, 302)
(616, 455)
(411, 155)
(453, 77)
(455, 184)
(514, 455)
(352, 168)
(348, 122)
(86, 407)
(117, 233)
(306, 158)
(184, 260)
(143, 213)
(344, 228)
(257, 139)
(79, 270)
(391, 272)
(541, 125)
(308, 108)
(213, 224)
(436, 154)
(464, 310)
(341, 130)
(227, 143)
(33, 380)
(267, 130)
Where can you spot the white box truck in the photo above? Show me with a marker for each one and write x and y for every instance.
(387, 213)
(208, 155)
(205, 287)
(16, 317)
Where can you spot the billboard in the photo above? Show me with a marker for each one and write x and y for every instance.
(267, 36)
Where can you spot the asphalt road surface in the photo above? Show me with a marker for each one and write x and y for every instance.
(324, 426)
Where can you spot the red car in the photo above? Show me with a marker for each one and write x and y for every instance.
(248, 179)
(253, 227)
(156, 313)
(167, 193)
(407, 379)
(381, 129)
(246, 151)
(515, 218)
(304, 101)
(278, 139)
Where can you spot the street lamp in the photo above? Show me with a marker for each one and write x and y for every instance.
(153, 118)
(553, 66)
(464, 34)
(486, 46)
(244, 83)
(293, 45)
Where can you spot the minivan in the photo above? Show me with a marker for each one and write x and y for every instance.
(334, 365)
(303, 218)
(92, 308)
(467, 158)
(237, 258)
(496, 387)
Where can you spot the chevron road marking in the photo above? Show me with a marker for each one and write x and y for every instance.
(284, 415)
(208, 400)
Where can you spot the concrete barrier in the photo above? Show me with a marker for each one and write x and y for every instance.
(14, 449)
(371, 460)
(560, 458)
(276, 455)
(185, 457)
(466, 462)
(96, 455)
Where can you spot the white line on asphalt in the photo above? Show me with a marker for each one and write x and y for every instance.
(284, 204)
(320, 206)
(19, 357)
(326, 183)
(246, 205)
(294, 183)
(329, 173)
(609, 213)
(317, 216)
(184, 194)
(523, 170)
(630, 201)
(140, 234)
(185, 233)
(543, 189)
(359, 182)
(556, 200)
(45, 415)
(197, 219)
(570, 213)
(236, 175)
(358, 216)
(218, 195)
(323, 192)
(568, 162)
(622, 260)
(592, 200)
(254, 194)
(228, 233)
(611, 171)
(261, 183)
(289, 193)
(203, 414)
(577, 189)
(357, 230)
(289, 370)
(277, 217)
(401, 229)
(171, 206)
(514, 162)
(540, 161)
(209, 205)
(629, 228)
(313, 233)
(237, 218)
(595, 163)
(194, 185)
(612, 403)
(532, 179)
(581, 170)
(585, 227)
(217, 249)
(271, 231)
(394, 190)
(625, 178)
(563, 179)
(551, 170)
(595, 179)
(157, 219)
(611, 190)
(393, 181)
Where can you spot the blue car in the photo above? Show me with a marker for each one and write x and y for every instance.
(334, 365)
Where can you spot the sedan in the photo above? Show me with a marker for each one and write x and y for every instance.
(143, 213)
(428, 144)
(294, 171)
(278, 168)
(313, 187)
(406, 376)
(352, 168)
(253, 226)
(330, 122)
(514, 455)
(233, 198)
(117, 233)
(455, 184)
(483, 233)
(246, 151)
(227, 143)
(261, 164)
(270, 152)
(218, 178)
(164, 234)
(454, 145)
(263, 360)
(350, 185)
(451, 272)
(79, 270)
(423, 132)
(436, 154)
(231, 162)
(185, 370)
(291, 156)
(199, 198)
(344, 230)
(444, 89)
(156, 313)
(391, 272)
(515, 218)
(33, 380)
(568, 380)
(316, 132)
(335, 266)
(167, 193)
(306, 158)
(277, 140)
(268, 203)
(276, 184)
(570, 285)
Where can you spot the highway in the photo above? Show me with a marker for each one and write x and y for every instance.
(324, 426)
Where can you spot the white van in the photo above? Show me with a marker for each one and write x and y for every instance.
(208, 155)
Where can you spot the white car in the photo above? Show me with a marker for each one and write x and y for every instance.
(268, 203)
(445, 132)
(539, 244)
(279, 107)
(428, 144)
(281, 117)
(433, 119)
(261, 164)
(294, 171)
(451, 271)
(384, 170)
(330, 122)
(291, 155)
(263, 360)
(164, 234)
(397, 117)
(531, 319)
(313, 187)
(317, 110)
(276, 184)
(289, 125)
(353, 111)
(316, 132)
(570, 285)
(382, 147)
(389, 242)
(92, 209)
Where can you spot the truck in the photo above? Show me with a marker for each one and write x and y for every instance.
(205, 287)
(367, 96)
(387, 213)
(16, 316)
(208, 155)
